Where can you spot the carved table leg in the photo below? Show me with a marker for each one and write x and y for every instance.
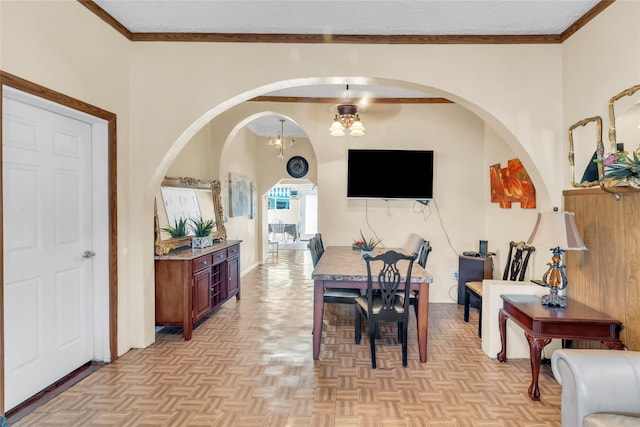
(535, 348)
(614, 345)
(502, 324)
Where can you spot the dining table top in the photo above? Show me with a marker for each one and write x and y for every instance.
(342, 263)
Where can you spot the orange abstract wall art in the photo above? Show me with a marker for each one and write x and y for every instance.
(512, 184)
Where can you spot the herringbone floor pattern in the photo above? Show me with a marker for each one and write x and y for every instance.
(250, 364)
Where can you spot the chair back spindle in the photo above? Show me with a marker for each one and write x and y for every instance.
(424, 254)
(517, 261)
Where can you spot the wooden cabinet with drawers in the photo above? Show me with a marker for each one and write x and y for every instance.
(190, 284)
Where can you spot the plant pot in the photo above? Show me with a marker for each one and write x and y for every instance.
(363, 253)
(201, 242)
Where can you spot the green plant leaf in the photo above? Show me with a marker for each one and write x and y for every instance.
(179, 228)
(201, 227)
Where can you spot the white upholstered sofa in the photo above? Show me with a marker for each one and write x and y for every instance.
(599, 387)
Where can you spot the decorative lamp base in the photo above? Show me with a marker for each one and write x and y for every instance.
(554, 300)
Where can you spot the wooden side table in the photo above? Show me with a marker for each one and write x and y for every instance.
(472, 269)
(541, 323)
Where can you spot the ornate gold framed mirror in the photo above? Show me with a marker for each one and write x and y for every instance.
(180, 200)
(593, 172)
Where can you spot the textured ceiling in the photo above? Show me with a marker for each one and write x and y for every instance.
(362, 17)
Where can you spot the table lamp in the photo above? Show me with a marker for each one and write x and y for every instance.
(558, 231)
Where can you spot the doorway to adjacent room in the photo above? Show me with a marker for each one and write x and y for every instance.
(292, 213)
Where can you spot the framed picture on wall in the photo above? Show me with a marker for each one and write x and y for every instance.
(224, 199)
(254, 201)
(239, 195)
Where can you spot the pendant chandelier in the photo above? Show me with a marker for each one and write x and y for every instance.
(280, 142)
(347, 118)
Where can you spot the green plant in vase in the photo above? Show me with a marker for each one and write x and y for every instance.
(366, 246)
(179, 228)
(202, 230)
(201, 227)
(620, 166)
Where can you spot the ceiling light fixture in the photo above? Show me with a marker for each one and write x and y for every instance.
(347, 118)
(280, 142)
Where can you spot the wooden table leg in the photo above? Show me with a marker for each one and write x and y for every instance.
(318, 313)
(535, 349)
(423, 320)
(502, 325)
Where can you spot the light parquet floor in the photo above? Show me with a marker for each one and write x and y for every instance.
(250, 364)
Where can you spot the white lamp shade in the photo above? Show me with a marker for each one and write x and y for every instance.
(557, 229)
(357, 128)
(336, 128)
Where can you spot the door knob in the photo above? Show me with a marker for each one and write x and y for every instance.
(88, 254)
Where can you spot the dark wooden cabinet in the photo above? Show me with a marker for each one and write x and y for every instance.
(233, 271)
(190, 284)
(473, 269)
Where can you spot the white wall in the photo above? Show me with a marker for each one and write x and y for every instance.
(164, 93)
(598, 62)
(79, 56)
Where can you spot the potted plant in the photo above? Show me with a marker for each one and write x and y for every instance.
(179, 228)
(364, 245)
(202, 229)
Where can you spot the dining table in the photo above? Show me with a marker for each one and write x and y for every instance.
(343, 267)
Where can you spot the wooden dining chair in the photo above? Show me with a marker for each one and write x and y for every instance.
(517, 262)
(423, 256)
(331, 295)
(414, 244)
(383, 303)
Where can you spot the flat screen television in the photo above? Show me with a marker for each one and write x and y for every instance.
(390, 174)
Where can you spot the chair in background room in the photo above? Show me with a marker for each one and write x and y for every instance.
(517, 262)
(414, 244)
(331, 295)
(278, 230)
(382, 303)
(272, 238)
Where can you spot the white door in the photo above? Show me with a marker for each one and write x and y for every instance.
(48, 252)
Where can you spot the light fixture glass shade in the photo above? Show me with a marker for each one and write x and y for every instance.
(357, 128)
(336, 128)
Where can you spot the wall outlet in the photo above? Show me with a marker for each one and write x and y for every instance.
(454, 275)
